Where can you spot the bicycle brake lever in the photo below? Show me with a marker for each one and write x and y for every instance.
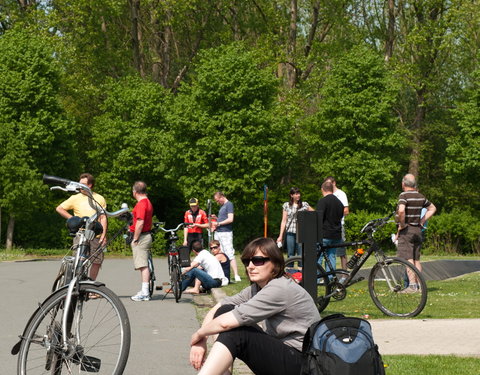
(58, 188)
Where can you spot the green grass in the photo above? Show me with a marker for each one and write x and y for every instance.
(452, 298)
(430, 365)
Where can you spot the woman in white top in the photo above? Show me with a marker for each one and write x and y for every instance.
(288, 226)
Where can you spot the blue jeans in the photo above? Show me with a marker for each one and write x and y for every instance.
(207, 281)
(292, 245)
(331, 254)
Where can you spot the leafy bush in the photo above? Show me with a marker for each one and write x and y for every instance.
(453, 232)
(356, 221)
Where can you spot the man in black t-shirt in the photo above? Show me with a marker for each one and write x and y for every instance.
(330, 213)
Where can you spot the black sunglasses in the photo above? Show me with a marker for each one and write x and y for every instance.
(213, 247)
(257, 261)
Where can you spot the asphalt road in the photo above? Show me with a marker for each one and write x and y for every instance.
(161, 329)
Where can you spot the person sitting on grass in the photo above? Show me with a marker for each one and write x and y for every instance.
(221, 256)
(205, 271)
(285, 307)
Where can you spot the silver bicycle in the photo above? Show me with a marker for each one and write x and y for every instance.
(82, 326)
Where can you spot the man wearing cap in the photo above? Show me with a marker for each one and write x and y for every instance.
(198, 219)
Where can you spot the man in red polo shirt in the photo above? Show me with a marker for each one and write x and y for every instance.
(199, 220)
(142, 238)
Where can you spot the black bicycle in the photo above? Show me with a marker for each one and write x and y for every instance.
(174, 265)
(388, 281)
(82, 325)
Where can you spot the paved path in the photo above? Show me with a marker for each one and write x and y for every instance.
(161, 330)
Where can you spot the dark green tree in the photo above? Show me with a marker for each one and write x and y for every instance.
(227, 131)
(355, 136)
(463, 152)
(35, 137)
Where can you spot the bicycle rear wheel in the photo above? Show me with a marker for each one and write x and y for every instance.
(98, 335)
(175, 281)
(294, 269)
(387, 288)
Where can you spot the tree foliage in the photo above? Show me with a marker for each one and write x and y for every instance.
(354, 136)
(193, 96)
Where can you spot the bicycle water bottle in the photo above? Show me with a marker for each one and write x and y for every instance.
(355, 257)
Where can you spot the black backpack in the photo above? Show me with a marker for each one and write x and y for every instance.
(338, 345)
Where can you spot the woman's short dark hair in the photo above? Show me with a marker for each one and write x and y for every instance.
(270, 249)
(295, 190)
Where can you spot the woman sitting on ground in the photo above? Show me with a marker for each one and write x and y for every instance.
(285, 307)
(221, 256)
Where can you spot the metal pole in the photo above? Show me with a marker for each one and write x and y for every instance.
(265, 210)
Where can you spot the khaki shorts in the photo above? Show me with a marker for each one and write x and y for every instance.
(97, 257)
(409, 243)
(140, 250)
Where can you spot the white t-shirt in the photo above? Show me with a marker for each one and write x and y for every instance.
(342, 197)
(211, 265)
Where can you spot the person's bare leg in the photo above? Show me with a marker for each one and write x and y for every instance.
(343, 261)
(145, 272)
(94, 269)
(419, 267)
(218, 362)
(195, 289)
(233, 264)
(411, 275)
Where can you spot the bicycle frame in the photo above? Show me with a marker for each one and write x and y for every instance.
(86, 234)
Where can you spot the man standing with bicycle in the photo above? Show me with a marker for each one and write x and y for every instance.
(410, 224)
(198, 220)
(141, 238)
(80, 205)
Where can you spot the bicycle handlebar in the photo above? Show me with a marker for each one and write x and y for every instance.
(73, 186)
(66, 185)
(373, 225)
(157, 226)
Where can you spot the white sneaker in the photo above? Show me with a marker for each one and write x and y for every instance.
(140, 297)
(237, 278)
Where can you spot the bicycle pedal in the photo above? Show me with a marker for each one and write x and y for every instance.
(158, 287)
(90, 364)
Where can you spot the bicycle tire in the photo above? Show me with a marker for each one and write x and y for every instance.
(99, 335)
(294, 270)
(386, 283)
(175, 280)
(151, 280)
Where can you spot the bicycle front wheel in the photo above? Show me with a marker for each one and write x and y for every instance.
(98, 335)
(387, 286)
(151, 281)
(294, 269)
(175, 280)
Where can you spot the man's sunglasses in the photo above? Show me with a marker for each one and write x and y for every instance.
(256, 261)
(213, 247)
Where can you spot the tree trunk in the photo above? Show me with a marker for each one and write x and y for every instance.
(420, 113)
(291, 47)
(390, 39)
(136, 36)
(10, 228)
